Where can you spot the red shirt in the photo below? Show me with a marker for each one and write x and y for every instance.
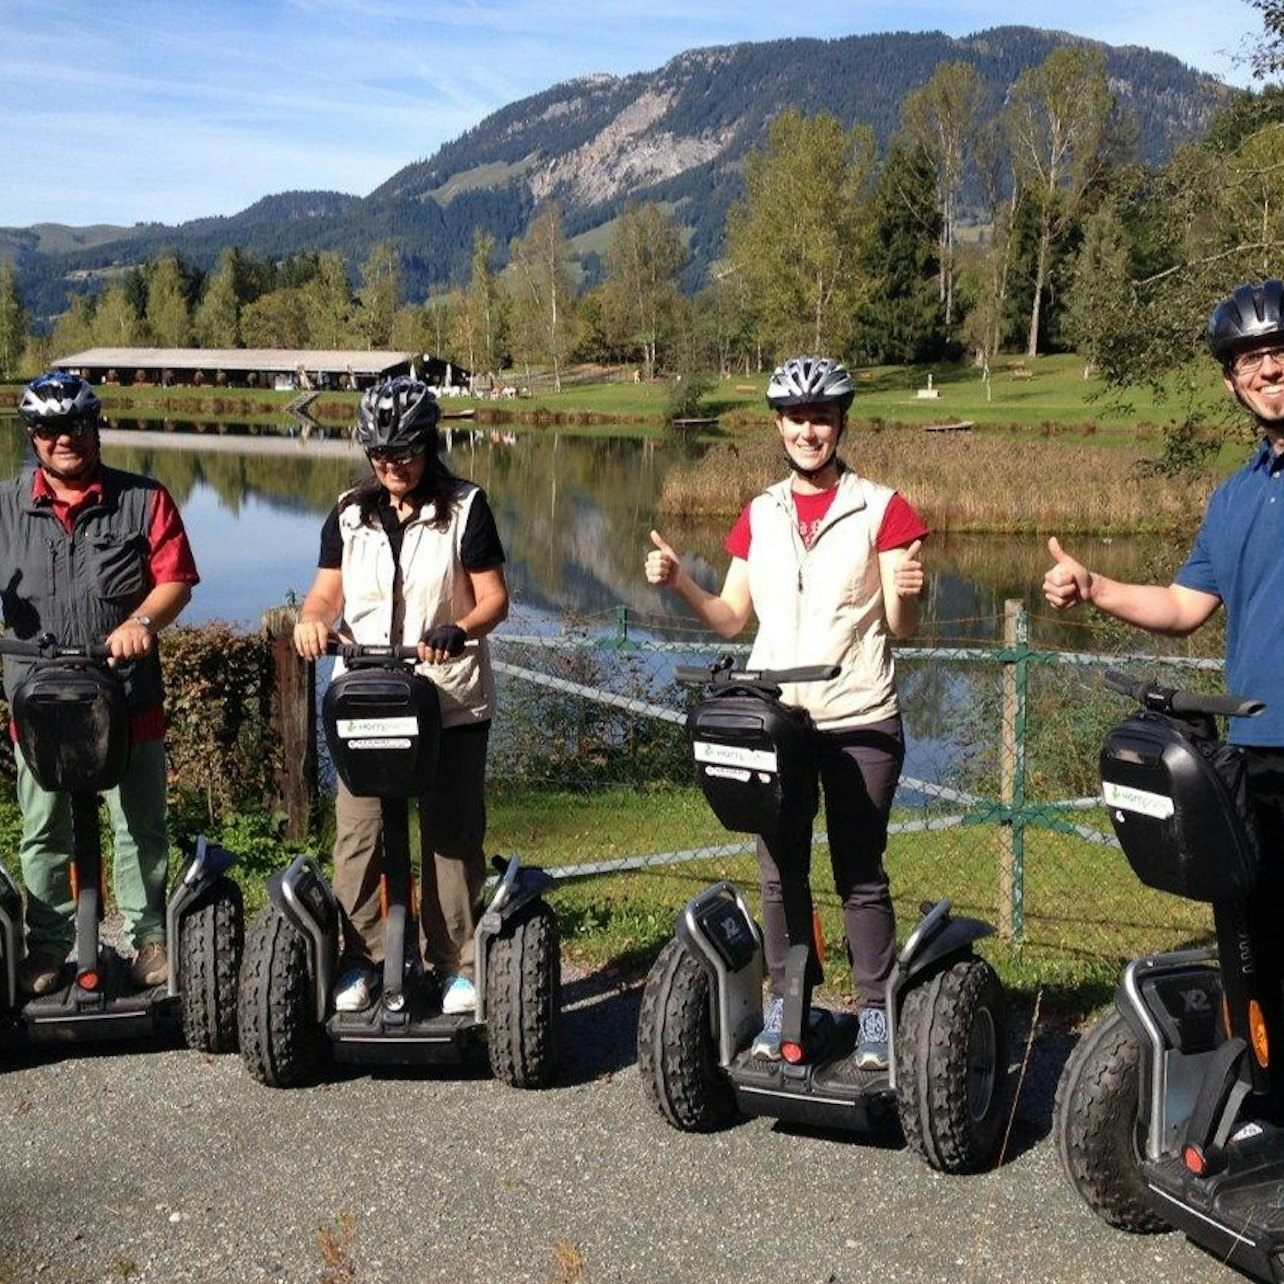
(900, 527)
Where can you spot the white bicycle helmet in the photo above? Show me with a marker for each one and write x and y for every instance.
(59, 400)
(809, 381)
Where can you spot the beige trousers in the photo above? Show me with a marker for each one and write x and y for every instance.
(452, 832)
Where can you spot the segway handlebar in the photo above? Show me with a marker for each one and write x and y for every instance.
(47, 647)
(379, 651)
(1161, 699)
(723, 672)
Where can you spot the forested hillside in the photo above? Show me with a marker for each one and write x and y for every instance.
(678, 136)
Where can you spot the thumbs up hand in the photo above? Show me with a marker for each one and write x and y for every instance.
(909, 573)
(1069, 581)
(663, 566)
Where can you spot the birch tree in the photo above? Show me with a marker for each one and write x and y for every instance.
(941, 118)
(543, 306)
(1056, 118)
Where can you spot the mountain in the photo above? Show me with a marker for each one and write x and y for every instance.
(678, 135)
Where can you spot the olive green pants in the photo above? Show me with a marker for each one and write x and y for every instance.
(136, 809)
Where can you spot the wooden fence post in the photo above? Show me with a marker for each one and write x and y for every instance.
(1012, 774)
(294, 710)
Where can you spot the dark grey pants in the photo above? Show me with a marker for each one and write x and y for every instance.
(859, 770)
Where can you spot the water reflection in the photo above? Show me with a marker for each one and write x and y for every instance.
(574, 514)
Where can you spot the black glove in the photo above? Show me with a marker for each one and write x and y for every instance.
(446, 637)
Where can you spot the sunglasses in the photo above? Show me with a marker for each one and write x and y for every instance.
(52, 431)
(394, 457)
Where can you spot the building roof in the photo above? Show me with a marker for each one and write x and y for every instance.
(358, 361)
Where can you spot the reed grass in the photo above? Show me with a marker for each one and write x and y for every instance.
(994, 483)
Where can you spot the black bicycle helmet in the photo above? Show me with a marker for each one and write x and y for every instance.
(400, 414)
(1249, 312)
(59, 400)
(809, 381)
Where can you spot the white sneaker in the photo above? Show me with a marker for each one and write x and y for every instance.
(458, 995)
(352, 990)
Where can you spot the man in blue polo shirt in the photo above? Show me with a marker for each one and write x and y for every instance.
(1238, 556)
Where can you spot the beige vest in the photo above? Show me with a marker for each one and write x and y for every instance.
(436, 589)
(824, 604)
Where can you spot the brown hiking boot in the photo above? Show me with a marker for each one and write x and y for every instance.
(151, 967)
(38, 972)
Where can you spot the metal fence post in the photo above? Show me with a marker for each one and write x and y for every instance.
(1016, 666)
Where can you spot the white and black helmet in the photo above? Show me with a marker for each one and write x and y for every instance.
(1249, 312)
(809, 381)
(59, 400)
(400, 414)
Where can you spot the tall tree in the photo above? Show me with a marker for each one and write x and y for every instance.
(1057, 115)
(116, 322)
(941, 119)
(794, 237)
(543, 302)
(169, 318)
(277, 319)
(73, 330)
(902, 314)
(485, 306)
(380, 294)
(643, 260)
(327, 302)
(218, 315)
(13, 322)
(1100, 286)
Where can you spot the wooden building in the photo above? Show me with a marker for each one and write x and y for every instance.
(304, 369)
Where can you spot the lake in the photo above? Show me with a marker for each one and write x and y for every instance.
(574, 514)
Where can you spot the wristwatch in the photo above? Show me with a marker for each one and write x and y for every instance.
(144, 620)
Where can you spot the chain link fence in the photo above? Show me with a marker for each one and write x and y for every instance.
(998, 806)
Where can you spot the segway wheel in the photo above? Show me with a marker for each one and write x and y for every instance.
(952, 1067)
(677, 1060)
(523, 998)
(282, 1043)
(211, 942)
(1095, 1126)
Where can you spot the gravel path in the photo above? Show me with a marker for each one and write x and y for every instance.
(164, 1166)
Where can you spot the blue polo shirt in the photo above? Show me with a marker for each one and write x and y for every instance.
(1238, 556)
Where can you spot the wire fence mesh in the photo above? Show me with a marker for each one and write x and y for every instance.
(998, 806)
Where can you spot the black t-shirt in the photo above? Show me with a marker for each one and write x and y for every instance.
(480, 548)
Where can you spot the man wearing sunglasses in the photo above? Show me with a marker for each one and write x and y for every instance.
(92, 554)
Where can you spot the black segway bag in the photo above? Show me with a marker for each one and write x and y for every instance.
(383, 726)
(1180, 807)
(755, 759)
(73, 726)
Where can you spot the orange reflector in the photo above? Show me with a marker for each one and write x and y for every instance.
(1193, 1158)
(818, 936)
(1257, 1033)
(792, 1052)
(1226, 1025)
(75, 882)
(87, 980)
(383, 896)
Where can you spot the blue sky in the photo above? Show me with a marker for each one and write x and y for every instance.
(119, 111)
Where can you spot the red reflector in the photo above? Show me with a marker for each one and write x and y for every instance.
(1193, 1158)
(792, 1052)
(88, 980)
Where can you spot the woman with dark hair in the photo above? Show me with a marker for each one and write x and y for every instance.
(411, 556)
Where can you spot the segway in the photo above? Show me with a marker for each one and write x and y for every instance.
(73, 729)
(1169, 1111)
(702, 1005)
(382, 723)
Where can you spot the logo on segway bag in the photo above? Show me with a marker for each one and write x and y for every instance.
(1142, 801)
(734, 756)
(377, 733)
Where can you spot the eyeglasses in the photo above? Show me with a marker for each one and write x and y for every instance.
(394, 458)
(67, 428)
(1247, 363)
